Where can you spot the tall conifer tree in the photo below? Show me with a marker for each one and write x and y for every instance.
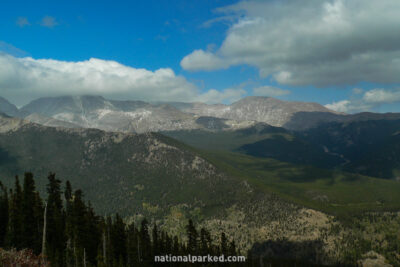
(30, 232)
(14, 235)
(55, 222)
(3, 214)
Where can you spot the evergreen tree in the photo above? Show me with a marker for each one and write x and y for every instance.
(132, 246)
(73, 235)
(69, 255)
(205, 242)
(145, 244)
(93, 234)
(109, 249)
(55, 235)
(176, 248)
(224, 244)
(232, 248)
(156, 241)
(118, 239)
(30, 232)
(14, 236)
(3, 214)
(192, 237)
(38, 210)
(168, 244)
(79, 234)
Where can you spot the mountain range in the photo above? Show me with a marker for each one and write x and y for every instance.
(147, 175)
(222, 165)
(295, 132)
(139, 116)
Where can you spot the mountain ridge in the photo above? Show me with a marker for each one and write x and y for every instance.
(91, 111)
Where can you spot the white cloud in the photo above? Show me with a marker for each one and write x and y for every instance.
(22, 22)
(316, 42)
(226, 96)
(357, 91)
(23, 79)
(270, 91)
(340, 106)
(382, 96)
(368, 101)
(228, 19)
(202, 60)
(49, 22)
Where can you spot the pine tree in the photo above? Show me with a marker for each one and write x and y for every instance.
(3, 214)
(205, 242)
(192, 236)
(93, 234)
(156, 241)
(168, 244)
(132, 246)
(176, 248)
(232, 248)
(14, 236)
(55, 236)
(145, 244)
(118, 239)
(109, 251)
(69, 255)
(79, 235)
(38, 211)
(224, 244)
(76, 236)
(30, 232)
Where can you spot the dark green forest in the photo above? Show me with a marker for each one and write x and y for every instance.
(63, 230)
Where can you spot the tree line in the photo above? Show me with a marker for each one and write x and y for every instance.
(65, 231)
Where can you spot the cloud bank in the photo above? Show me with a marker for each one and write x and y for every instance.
(24, 79)
(366, 101)
(317, 42)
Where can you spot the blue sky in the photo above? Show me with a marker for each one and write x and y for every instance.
(208, 45)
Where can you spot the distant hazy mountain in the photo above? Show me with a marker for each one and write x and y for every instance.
(138, 116)
(49, 121)
(367, 144)
(255, 108)
(369, 147)
(126, 116)
(8, 108)
(301, 121)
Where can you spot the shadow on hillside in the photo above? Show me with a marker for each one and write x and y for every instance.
(288, 253)
(6, 158)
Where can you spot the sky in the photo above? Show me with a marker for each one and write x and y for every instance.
(344, 54)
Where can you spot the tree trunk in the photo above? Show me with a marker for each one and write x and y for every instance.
(84, 257)
(104, 248)
(44, 230)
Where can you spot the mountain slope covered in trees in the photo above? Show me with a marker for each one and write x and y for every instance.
(154, 176)
(143, 175)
